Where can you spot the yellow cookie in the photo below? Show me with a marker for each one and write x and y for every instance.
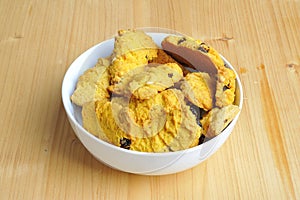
(225, 90)
(162, 123)
(204, 58)
(193, 52)
(198, 88)
(217, 119)
(146, 81)
(164, 58)
(93, 84)
(132, 49)
(90, 120)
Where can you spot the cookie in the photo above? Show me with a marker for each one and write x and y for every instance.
(198, 88)
(160, 124)
(225, 87)
(186, 50)
(146, 81)
(204, 58)
(93, 84)
(218, 119)
(143, 98)
(164, 58)
(90, 120)
(132, 49)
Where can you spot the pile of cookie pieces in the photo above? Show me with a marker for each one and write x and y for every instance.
(149, 99)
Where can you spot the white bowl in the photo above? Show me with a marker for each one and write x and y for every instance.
(128, 160)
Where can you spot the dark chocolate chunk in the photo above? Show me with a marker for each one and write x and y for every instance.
(195, 110)
(199, 123)
(198, 112)
(204, 46)
(181, 40)
(202, 49)
(226, 87)
(195, 59)
(125, 143)
(201, 139)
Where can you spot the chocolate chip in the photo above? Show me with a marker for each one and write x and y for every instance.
(181, 40)
(170, 75)
(202, 49)
(125, 143)
(195, 110)
(199, 123)
(201, 139)
(198, 112)
(226, 87)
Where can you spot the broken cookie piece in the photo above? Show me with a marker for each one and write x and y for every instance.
(225, 89)
(93, 84)
(90, 120)
(218, 119)
(203, 58)
(160, 124)
(186, 50)
(132, 49)
(146, 81)
(198, 88)
(164, 58)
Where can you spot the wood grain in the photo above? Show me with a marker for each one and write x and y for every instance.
(40, 156)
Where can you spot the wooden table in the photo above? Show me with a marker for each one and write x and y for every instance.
(40, 156)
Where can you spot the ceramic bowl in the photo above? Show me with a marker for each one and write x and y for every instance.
(128, 160)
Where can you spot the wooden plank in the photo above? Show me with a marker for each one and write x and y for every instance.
(41, 158)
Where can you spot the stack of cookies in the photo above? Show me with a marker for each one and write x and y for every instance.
(152, 99)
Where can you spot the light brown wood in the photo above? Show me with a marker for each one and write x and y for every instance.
(40, 156)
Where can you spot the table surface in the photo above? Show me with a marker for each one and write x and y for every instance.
(40, 156)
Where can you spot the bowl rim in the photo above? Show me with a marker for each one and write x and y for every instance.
(66, 100)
